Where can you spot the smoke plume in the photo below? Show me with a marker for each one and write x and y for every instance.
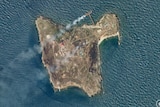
(25, 55)
(69, 55)
(30, 53)
(67, 27)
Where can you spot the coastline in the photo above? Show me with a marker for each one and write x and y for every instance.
(107, 27)
(110, 36)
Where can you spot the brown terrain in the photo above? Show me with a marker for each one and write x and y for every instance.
(72, 57)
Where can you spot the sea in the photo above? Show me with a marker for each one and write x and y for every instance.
(130, 71)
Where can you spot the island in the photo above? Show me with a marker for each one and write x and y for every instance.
(71, 54)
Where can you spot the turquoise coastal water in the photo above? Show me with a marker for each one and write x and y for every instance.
(131, 71)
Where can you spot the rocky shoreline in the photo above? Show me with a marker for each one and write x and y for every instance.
(72, 57)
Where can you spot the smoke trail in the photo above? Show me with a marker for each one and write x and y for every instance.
(60, 33)
(67, 27)
(37, 48)
(30, 53)
(78, 20)
(26, 55)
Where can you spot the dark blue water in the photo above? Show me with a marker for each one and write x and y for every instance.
(131, 71)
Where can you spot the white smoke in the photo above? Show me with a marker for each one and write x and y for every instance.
(60, 33)
(53, 37)
(27, 77)
(37, 48)
(79, 19)
(53, 68)
(67, 27)
(40, 75)
(30, 53)
(69, 55)
(25, 55)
